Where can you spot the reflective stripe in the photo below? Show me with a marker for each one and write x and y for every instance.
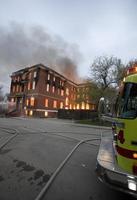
(126, 152)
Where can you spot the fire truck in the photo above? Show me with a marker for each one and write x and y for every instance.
(117, 156)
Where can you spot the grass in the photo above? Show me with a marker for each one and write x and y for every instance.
(95, 122)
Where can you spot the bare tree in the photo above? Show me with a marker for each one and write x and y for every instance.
(95, 93)
(1, 93)
(106, 71)
(120, 71)
(106, 75)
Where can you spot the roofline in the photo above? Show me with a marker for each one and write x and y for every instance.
(45, 67)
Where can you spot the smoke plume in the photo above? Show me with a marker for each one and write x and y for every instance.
(22, 46)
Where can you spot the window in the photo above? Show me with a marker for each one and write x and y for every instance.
(74, 107)
(27, 102)
(47, 87)
(29, 85)
(87, 106)
(87, 97)
(48, 76)
(127, 102)
(13, 89)
(31, 112)
(33, 85)
(20, 89)
(77, 106)
(58, 91)
(53, 89)
(46, 114)
(83, 106)
(72, 96)
(62, 83)
(62, 92)
(93, 107)
(46, 102)
(12, 100)
(54, 104)
(61, 105)
(67, 101)
(87, 89)
(30, 75)
(35, 74)
(70, 106)
(26, 112)
(17, 88)
(54, 78)
(32, 101)
(67, 91)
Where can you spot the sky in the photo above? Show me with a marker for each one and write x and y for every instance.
(56, 32)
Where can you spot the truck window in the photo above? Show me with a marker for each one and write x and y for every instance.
(127, 102)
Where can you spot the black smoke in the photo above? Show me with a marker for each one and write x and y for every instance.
(22, 46)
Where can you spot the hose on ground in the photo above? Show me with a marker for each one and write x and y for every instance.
(48, 184)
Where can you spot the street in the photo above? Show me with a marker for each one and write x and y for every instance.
(32, 149)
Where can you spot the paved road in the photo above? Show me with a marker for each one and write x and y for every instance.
(29, 159)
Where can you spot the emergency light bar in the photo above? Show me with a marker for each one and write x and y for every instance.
(132, 70)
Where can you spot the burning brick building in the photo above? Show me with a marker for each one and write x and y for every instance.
(40, 91)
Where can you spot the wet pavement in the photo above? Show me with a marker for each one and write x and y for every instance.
(78, 180)
(28, 161)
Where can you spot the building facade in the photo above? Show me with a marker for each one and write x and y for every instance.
(40, 91)
(83, 99)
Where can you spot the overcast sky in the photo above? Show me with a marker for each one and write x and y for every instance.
(77, 29)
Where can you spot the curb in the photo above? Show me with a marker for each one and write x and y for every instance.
(93, 126)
